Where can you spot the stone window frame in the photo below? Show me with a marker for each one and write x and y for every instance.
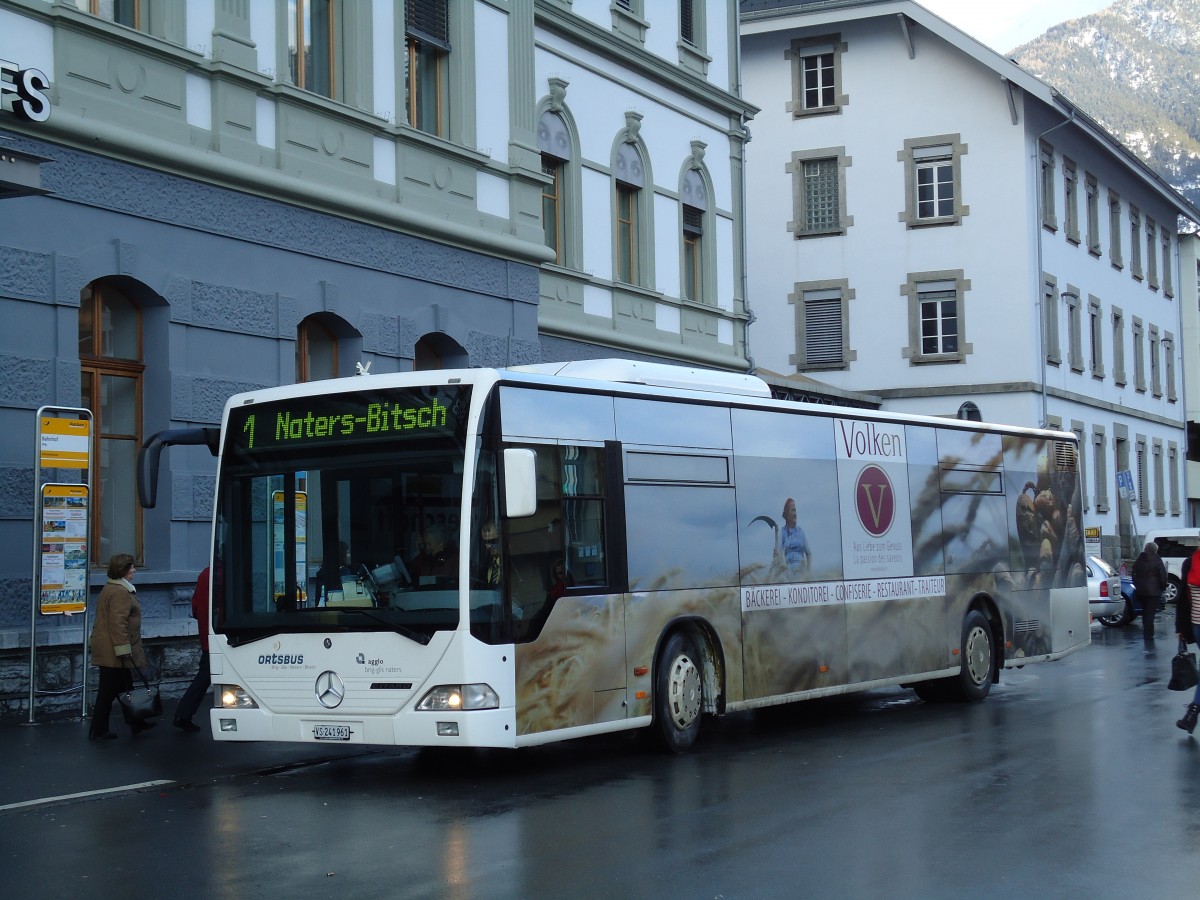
(1151, 254)
(916, 151)
(1160, 493)
(799, 297)
(1100, 468)
(1141, 473)
(351, 51)
(693, 54)
(1074, 328)
(643, 238)
(1046, 167)
(1137, 332)
(1050, 333)
(1135, 241)
(1071, 201)
(1096, 336)
(1115, 254)
(1118, 334)
(570, 200)
(795, 168)
(1092, 194)
(912, 290)
(694, 168)
(165, 19)
(628, 19)
(1168, 285)
(805, 48)
(1155, 360)
(1173, 475)
(1080, 432)
(1168, 352)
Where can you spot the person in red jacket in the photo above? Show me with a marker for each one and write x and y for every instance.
(1187, 627)
(203, 680)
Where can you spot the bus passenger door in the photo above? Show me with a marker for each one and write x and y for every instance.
(568, 623)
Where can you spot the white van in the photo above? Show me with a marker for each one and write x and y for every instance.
(1174, 546)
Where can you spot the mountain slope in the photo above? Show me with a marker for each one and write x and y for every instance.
(1135, 68)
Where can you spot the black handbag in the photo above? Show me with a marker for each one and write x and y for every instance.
(1183, 670)
(141, 703)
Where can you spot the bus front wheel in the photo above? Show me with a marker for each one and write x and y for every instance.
(678, 694)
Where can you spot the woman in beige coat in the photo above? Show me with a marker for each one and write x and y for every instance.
(116, 643)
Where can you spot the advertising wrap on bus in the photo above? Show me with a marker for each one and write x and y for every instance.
(505, 557)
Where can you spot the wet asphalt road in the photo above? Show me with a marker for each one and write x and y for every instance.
(1070, 780)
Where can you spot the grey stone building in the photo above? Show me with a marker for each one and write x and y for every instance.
(203, 198)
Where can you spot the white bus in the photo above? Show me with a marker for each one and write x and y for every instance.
(502, 558)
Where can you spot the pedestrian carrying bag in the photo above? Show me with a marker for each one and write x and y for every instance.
(142, 703)
(1183, 670)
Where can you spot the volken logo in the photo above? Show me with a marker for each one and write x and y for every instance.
(875, 501)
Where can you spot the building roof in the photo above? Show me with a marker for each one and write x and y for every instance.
(768, 16)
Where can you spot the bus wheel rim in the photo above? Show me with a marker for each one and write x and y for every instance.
(979, 657)
(683, 688)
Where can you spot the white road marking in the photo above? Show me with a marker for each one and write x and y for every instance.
(113, 790)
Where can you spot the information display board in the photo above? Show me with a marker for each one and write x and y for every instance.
(63, 563)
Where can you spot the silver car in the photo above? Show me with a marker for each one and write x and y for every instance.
(1104, 593)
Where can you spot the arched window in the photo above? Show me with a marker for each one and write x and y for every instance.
(630, 176)
(694, 200)
(110, 367)
(439, 351)
(316, 351)
(554, 141)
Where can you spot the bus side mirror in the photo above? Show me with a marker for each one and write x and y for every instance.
(520, 482)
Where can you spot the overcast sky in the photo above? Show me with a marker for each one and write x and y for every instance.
(1005, 24)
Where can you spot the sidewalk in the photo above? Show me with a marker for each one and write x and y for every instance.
(55, 759)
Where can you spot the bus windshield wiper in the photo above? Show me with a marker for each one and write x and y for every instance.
(410, 633)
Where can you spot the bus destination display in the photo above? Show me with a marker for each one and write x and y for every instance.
(346, 418)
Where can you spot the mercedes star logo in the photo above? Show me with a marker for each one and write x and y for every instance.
(330, 689)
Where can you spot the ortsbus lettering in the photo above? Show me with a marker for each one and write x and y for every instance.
(23, 92)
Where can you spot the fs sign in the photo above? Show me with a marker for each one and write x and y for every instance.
(23, 92)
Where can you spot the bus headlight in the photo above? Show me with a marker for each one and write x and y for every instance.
(234, 696)
(460, 696)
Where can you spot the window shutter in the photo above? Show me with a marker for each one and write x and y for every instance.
(823, 330)
(428, 20)
(687, 24)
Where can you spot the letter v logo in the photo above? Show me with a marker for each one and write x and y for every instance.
(875, 501)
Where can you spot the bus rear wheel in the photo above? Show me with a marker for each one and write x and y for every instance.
(974, 678)
(978, 658)
(678, 694)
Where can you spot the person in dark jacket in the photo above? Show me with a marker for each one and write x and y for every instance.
(1149, 582)
(1187, 626)
(116, 643)
(200, 684)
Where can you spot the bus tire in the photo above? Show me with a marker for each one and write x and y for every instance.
(678, 694)
(974, 679)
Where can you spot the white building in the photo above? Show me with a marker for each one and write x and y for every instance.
(641, 132)
(1189, 308)
(934, 225)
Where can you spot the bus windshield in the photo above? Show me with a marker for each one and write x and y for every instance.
(340, 512)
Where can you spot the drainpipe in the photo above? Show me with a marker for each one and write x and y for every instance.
(737, 62)
(1037, 224)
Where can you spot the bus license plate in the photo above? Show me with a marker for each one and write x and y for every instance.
(331, 732)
